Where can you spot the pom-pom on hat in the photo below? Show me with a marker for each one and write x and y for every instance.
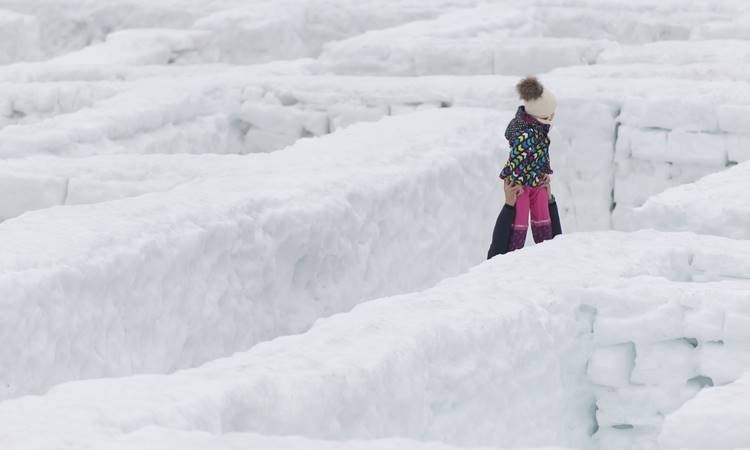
(538, 101)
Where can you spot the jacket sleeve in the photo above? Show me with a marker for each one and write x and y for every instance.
(546, 168)
(555, 217)
(518, 149)
(501, 233)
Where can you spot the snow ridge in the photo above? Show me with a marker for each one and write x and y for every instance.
(240, 257)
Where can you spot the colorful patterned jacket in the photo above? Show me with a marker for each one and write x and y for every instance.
(529, 150)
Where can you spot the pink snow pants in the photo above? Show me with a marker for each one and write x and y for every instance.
(533, 200)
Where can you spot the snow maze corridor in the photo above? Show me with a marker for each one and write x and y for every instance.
(280, 245)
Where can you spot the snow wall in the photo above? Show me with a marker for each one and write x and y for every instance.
(716, 204)
(672, 359)
(427, 365)
(269, 29)
(19, 37)
(189, 276)
(615, 142)
(669, 142)
(658, 343)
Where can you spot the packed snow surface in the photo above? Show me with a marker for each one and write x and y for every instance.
(293, 236)
(154, 438)
(716, 418)
(426, 365)
(716, 204)
(224, 224)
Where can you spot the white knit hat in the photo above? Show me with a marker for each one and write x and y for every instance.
(538, 101)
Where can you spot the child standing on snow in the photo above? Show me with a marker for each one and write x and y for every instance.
(528, 164)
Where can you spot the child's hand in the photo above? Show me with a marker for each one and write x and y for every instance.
(546, 184)
(512, 191)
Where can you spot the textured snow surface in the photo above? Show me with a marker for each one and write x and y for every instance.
(262, 247)
(244, 111)
(224, 224)
(716, 204)
(715, 419)
(426, 365)
(154, 438)
(264, 29)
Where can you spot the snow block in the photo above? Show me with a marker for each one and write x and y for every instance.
(622, 319)
(670, 114)
(704, 323)
(267, 32)
(624, 407)
(738, 147)
(736, 27)
(23, 192)
(294, 121)
(42, 181)
(636, 180)
(648, 144)
(581, 156)
(734, 118)
(455, 57)
(706, 150)
(264, 141)
(664, 362)
(343, 115)
(724, 363)
(143, 47)
(588, 155)
(274, 118)
(712, 266)
(677, 52)
(623, 147)
(737, 328)
(20, 37)
(642, 438)
(640, 405)
(688, 173)
(581, 117)
(540, 55)
(154, 116)
(611, 365)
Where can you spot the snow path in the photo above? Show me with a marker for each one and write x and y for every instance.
(425, 365)
(168, 280)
